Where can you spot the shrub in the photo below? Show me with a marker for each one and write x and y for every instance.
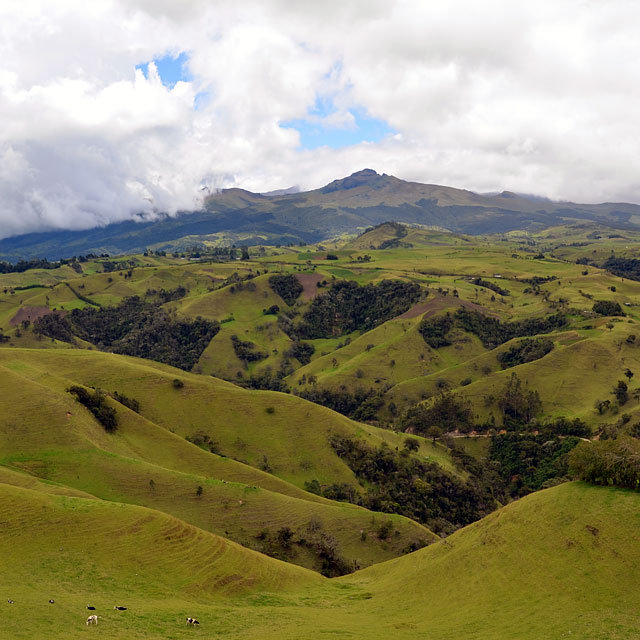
(96, 403)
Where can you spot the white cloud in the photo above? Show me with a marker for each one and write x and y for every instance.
(535, 96)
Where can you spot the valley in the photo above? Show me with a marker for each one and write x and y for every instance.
(371, 435)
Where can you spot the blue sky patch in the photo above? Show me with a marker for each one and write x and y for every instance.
(315, 132)
(171, 69)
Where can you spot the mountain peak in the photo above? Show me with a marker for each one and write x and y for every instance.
(364, 177)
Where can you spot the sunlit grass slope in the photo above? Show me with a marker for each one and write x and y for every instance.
(564, 562)
(78, 552)
(43, 431)
(247, 425)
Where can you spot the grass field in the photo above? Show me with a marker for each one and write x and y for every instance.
(174, 513)
(559, 563)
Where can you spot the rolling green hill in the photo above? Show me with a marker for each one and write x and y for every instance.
(562, 562)
(148, 461)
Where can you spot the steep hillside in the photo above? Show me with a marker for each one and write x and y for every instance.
(46, 433)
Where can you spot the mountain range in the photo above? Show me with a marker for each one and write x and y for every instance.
(347, 205)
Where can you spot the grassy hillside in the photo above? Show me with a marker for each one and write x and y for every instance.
(148, 461)
(562, 562)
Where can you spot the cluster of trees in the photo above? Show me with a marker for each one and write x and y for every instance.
(479, 282)
(130, 403)
(301, 351)
(54, 325)
(519, 404)
(96, 402)
(348, 307)
(623, 267)
(134, 327)
(435, 330)
(283, 544)
(287, 286)
(167, 295)
(359, 404)
(266, 380)
(615, 461)
(491, 331)
(247, 351)
(528, 462)
(607, 308)
(42, 263)
(447, 412)
(397, 482)
(526, 350)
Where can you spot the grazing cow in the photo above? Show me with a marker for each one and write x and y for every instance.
(120, 608)
(52, 601)
(92, 619)
(10, 601)
(91, 608)
(192, 621)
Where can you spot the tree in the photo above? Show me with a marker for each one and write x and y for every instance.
(411, 444)
(620, 391)
(628, 373)
(602, 405)
(434, 432)
(517, 403)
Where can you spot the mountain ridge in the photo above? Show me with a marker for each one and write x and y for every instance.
(346, 205)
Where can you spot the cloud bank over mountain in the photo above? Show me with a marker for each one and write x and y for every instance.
(536, 97)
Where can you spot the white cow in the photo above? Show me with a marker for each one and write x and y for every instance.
(92, 619)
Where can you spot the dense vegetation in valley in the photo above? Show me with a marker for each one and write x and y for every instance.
(348, 307)
(614, 461)
(491, 331)
(397, 482)
(286, 286)
(134, 327)
(528, 462)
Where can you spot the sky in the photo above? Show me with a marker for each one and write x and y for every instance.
(118, 109)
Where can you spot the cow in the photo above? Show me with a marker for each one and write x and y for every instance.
(92, 619)
(91, 608)
(192, 621)
(119, 608)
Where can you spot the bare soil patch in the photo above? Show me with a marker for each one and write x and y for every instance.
(440, 303)
(32, 314)
(309, 282)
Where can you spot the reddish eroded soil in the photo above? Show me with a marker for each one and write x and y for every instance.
(31, 314)
(439, 303)
(309, 282)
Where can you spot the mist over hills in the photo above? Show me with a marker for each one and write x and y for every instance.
(346, 205)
